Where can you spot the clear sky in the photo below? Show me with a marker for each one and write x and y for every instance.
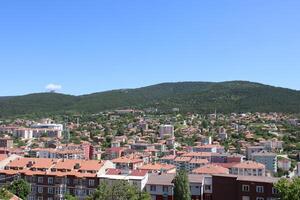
(95, 45)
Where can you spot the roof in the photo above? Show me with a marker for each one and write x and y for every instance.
(196, 178)
(249, 165)
(199, 161)
(126, 160)
(197, 154)
(168, 157)
(163, 179)
(183, 159)
(264, 153)
(211, 169)
(158, 166)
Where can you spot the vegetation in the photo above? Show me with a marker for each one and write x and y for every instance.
(181, 186)
(4, 194)
(226, 97)
(20, 188)
(70, 197)
(289, 189)
(119, 190)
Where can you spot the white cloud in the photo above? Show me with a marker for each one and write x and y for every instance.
(53, 87)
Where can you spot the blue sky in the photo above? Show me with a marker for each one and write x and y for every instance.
(95, 45)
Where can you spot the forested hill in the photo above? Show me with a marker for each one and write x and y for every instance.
(201, 97)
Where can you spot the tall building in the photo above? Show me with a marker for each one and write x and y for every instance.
(166, 130)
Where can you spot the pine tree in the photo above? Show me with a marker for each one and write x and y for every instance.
(181, 186)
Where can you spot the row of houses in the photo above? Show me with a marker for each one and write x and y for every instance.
(51, 179)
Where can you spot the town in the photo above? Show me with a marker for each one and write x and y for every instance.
(240, 155)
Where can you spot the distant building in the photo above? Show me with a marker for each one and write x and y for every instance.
(166, 130)
(284, 164)
(253, 149)
(266, 158)
(6, 143)
(248, 168)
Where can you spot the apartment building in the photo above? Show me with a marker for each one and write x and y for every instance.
(266, 158)
(51, 179)
(243, 187)
(248, 168)
(161, 186)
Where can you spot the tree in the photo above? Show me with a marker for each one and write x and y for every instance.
(119, 190)
(181, 186)
(5, 195)
(20, 188)
(70, 197)
(288, 189)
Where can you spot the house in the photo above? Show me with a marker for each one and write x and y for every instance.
(284, 164)
(266, 158)
(248, 168)
(138, 178)
(127, 163)
(236, 187)
(253, 149)
(161, 186)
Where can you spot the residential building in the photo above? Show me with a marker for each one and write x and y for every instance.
(243, 187)
(248, 168)
(266, 158)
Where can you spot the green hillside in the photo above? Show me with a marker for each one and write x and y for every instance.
(234, 96)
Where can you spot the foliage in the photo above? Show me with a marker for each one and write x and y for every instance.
(19, 187)
(70, 197)
(181, 186)
(201, 97)
(119, 190)
(288, 189)
(4, 194)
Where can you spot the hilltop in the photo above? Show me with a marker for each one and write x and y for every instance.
(204, 97)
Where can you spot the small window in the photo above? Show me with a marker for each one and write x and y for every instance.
(260, 189)
(274, 190)
(152, 188)
(165, 189)
(260, 198)
(50, 190)
(40, 189)
(50, 180)
(245, 188)
(91, 182)
(40, 179)
(207, 187)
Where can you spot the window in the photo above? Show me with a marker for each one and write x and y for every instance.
(165, 189)
(90, 192)
(245, 188)
(260, 189)
(50, 190)
(50, 180)
(207, 187)
(91, 182)
(40, 179)
(40, 189)
(245, 198)
(152, 188)
(260, 198)
(274, 190)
